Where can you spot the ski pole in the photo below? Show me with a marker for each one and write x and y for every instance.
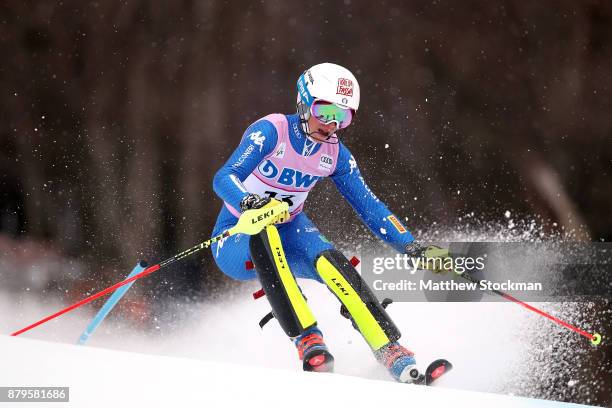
(117, 285)
(109, 305)
(250, 222)
(595, 338)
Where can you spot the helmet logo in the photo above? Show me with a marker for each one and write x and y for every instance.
(303, 91)
(345, 101)
(345, 87)
(310, 78)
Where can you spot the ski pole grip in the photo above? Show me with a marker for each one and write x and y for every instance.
(251, 222)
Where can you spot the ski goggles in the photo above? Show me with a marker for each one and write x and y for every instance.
(326, 113)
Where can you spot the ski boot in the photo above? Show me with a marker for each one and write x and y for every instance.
(313, 351)
(400, 362)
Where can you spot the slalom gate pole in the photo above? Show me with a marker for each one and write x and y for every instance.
(117, 285)
(109, 305)
(250, 222)
(595, 338)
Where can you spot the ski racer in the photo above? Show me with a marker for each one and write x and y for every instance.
(281, 158)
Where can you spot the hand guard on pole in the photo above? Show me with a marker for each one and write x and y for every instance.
(254, 220)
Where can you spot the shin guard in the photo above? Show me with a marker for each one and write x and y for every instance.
(287, 302)
(367, 314)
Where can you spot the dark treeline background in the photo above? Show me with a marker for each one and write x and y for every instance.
(115, 115)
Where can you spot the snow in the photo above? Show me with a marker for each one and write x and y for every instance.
(102, 378)
(221, 347)
(214, 348)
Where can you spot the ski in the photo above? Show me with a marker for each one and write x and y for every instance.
(435, 370)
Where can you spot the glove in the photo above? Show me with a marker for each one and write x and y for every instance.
(414, 250)
(435, 258)
(253, 201)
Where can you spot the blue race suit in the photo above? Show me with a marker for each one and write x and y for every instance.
(301, 239)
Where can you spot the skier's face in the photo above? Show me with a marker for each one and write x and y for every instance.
(320, 132)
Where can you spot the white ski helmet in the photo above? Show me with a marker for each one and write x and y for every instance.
(327, 82)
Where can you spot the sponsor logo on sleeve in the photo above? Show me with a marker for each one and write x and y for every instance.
(258, 139)
(345, 87)
(397, 224)
(244, 156)
(353, 164)
(368, 189)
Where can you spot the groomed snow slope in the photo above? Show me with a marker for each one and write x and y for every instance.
(108, 378)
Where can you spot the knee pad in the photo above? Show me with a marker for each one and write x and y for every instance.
(288, 304)
(367, 313)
